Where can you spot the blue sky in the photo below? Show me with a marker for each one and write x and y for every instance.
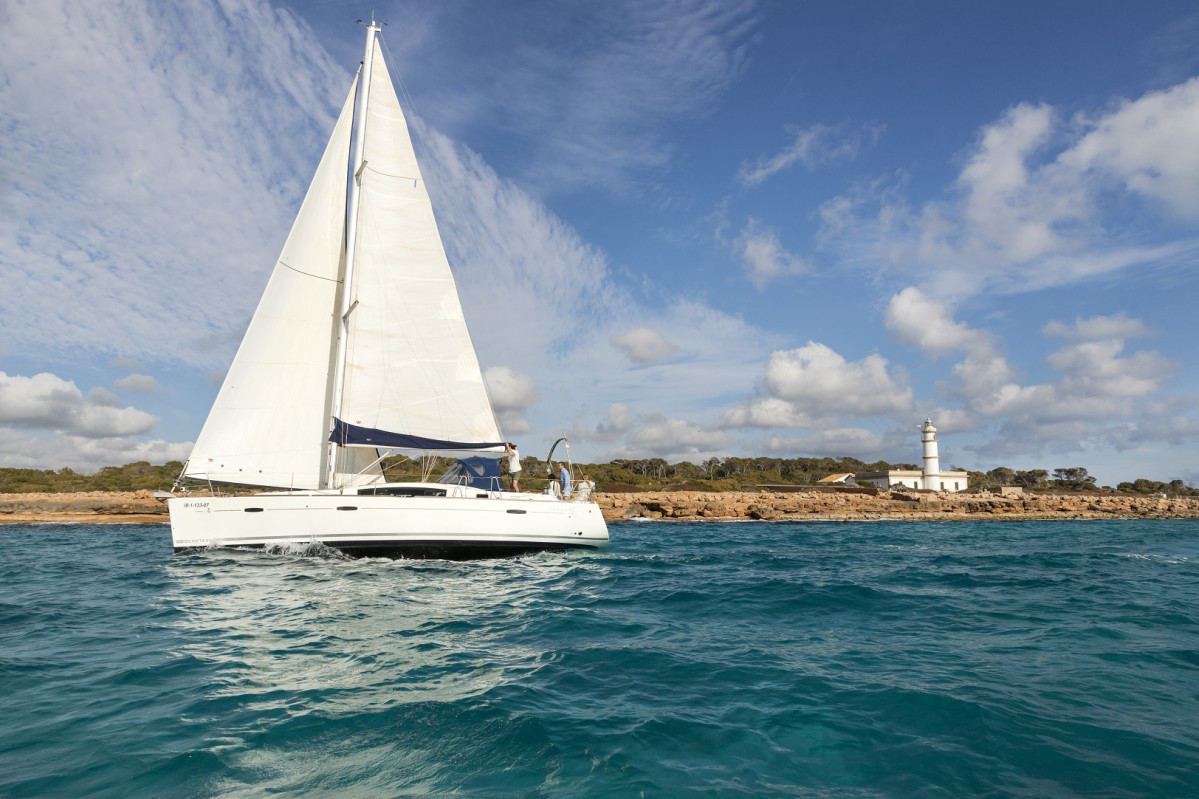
(680, 230)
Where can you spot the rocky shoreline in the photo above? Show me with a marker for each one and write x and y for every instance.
(836, 506)
(92, 507)
(142, 506)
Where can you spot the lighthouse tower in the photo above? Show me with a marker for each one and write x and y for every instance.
(932, 461)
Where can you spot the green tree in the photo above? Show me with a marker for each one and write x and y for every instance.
(1002, 476)
(1034, 478)
(1075, 477)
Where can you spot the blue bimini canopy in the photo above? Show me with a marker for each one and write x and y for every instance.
(476, 472)
(349, 435)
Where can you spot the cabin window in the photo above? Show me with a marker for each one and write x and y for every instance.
(402, 491)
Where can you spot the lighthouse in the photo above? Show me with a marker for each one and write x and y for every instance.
(930, 477)
(932, 461)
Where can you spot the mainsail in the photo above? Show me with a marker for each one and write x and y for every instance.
(410, 365)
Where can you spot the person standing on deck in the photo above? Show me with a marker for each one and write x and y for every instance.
(513, 465)
(564, 479)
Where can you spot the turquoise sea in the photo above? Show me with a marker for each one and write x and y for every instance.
(885, 659)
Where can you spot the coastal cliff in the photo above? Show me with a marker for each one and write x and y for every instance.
(142, 506)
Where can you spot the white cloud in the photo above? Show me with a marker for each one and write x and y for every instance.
(771, 412)
(654, 435)
(512, 394)
(20, 449)
(719, 358)
(1011, 211)
(512, 423)
(137, 384)
(45, 401)
(813, 386)
(955, 420)
(1088, 407)
(1097, 381)
(643, 345)
(853, 442)
(1099, 328)
(986, 384)
(1169, 420)
(1149, 145)
(811, 147)
(677, 437)
(763, 257)
(510, 390)
(1092, 364)
(1041, 201)
(919, 321)
(820, 379)
(620, 420)
(104, 397)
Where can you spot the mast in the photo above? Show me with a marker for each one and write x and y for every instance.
(352, 201)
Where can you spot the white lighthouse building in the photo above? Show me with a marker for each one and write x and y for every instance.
(930, 477)
(932, 461)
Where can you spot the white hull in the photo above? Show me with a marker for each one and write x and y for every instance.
(488, 525)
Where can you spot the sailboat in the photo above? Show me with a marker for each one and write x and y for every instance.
(359, 346)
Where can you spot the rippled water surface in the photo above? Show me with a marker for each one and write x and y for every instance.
(897, 659)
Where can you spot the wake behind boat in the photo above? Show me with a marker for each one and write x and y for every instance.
(359, 346)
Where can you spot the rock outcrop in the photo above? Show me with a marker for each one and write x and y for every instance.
(90, 506)
(768, 505)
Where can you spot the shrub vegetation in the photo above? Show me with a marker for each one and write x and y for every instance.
(621, 475)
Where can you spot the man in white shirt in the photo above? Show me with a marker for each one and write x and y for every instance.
(513, 465)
